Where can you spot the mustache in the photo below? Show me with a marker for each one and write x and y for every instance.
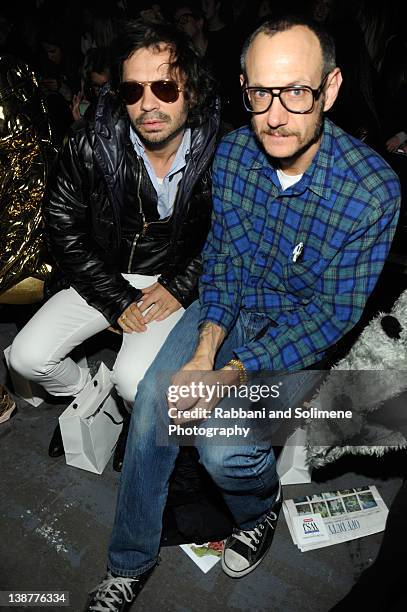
(279, 132)
(157, 116)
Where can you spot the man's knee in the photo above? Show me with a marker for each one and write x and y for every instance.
(128, 372)
(28, 358)
(131, 382)
(235, 461)
(213, 458)
(126, 384)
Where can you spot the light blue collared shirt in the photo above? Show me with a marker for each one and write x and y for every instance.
(166, 187)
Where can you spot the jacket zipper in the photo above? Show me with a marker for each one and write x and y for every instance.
(144, 228)
(145, 224)
(133, 246)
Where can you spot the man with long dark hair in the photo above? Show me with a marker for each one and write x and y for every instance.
(127, 214)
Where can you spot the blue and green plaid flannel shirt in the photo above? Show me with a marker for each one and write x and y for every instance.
(344, 210)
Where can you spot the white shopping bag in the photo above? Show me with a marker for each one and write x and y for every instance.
(291, 464)
(91, 424)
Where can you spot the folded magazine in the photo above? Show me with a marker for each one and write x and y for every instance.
(335, 516)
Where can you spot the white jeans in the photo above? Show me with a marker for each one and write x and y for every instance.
(39, 352)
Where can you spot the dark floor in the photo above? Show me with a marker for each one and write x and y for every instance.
(55, 522)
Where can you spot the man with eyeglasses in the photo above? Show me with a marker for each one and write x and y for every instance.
(127, 213)
(302, 223)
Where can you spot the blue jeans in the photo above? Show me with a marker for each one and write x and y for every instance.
(245, 475)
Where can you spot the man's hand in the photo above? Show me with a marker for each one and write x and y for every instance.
(198, 372)
(191, 374)
(76, 100)
(205, 389)
(160, 300)
(131, 320)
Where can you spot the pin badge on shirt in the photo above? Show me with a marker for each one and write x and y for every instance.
(297, 252)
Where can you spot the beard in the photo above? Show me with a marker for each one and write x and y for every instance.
(304, 141)
(160, 138)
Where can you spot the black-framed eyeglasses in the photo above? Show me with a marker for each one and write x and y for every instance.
(298, 99)
(165, 90)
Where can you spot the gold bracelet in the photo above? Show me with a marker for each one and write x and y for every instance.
(241, 370)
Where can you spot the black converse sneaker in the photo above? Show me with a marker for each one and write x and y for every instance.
(116, 593)
(245, 549)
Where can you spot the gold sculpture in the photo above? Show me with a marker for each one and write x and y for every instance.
(25, 156)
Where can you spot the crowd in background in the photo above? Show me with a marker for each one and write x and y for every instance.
(69, 46)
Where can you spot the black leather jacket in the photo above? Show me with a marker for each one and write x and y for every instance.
(101, 214)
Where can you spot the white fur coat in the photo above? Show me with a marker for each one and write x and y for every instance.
(372, 378)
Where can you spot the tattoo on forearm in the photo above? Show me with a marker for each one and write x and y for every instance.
(211, 335)
(205, 329)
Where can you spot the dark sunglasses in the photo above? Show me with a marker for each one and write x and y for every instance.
(166, 91)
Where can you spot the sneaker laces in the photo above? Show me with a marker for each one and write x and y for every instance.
(111, 592)
(250, 537)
